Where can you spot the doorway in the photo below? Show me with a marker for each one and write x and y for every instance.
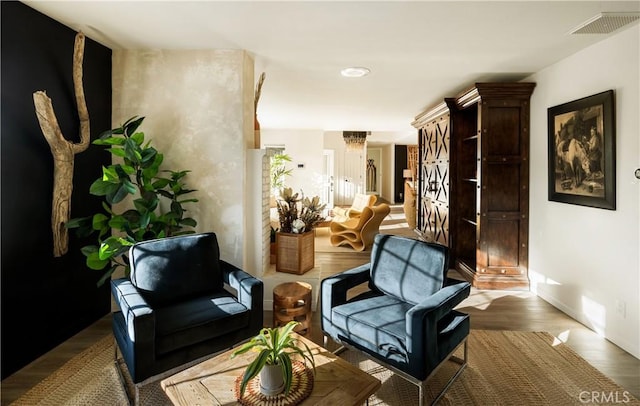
(327, 179)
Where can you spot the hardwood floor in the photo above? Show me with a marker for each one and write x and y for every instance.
(490, 310)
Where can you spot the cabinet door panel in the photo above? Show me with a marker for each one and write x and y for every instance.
(434, 181)
(503, 183)
(441, 228)
(501, 241)
(503, 131)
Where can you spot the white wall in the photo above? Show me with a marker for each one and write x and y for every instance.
(199, 113)
(304, 147)
(583, 260)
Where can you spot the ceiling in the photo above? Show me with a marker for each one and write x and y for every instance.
(418, 51)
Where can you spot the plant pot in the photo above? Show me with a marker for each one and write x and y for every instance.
(271, 380)
(295, 252)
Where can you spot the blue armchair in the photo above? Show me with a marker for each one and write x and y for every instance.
(182, 303)
(406, 319)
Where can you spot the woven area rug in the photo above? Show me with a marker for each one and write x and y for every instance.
(505, 368)
(90, 378)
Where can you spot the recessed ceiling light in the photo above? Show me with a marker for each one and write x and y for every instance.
(355, 72)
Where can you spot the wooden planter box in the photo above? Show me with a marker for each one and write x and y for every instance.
(295, 252)
(273, 252)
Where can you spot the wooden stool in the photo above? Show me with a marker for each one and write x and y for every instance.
(292, 301)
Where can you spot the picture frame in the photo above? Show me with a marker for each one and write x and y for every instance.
(582, 152)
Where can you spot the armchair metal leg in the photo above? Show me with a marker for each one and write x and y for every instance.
(339, 350)
(463, 364)
(123, 381)
(421, 384)
(325, 343)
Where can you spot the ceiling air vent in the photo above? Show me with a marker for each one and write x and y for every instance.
(605, 23)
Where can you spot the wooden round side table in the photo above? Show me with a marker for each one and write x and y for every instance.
(292, 301)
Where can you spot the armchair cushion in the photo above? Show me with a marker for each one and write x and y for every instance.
(377, 324)
(398, 264)
(154, 265)
(199, 320)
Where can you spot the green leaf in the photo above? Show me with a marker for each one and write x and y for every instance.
(151, 170)
(177, 208)
(189, 222)
(120, 193)
(243, 348)
(128, 169)
(253, 369)
(99, 221)
(185, 191)
(100, 187)
(287, 371)
(287, 330)
(132, 151)
(113, 247)
(132, 216)
(110, 173)
(161, 183)
(107, 208)
(131, 188)
(138, 138)
(106, 276)
(148, 202)
(166, 194)
(177, 175)
(94, 261)
(88, 250)
(187, 201)
(78, 222)
(117, 152)
(132, 125)
(148, 156)
(109, 141)
(118, 222)
(104, 135)
(144, 219)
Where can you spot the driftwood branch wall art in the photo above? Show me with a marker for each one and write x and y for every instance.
(63, 150)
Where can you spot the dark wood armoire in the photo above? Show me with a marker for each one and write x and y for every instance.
(473, 182)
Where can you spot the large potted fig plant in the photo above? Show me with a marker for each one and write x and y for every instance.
(157, 197)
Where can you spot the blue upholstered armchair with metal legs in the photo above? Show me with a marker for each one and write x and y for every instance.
(182, 303)
(406, 319)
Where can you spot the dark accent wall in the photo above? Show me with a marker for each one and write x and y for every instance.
(45, 300)
(400, 164)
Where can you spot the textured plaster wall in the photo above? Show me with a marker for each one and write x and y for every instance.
(583, 260)
(199, 113)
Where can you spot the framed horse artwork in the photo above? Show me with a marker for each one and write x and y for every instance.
(582, 152)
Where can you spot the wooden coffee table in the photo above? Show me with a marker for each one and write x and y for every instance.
(212, 382)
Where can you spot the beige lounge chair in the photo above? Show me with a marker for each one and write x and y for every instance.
(359, 232)
(360, 201)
